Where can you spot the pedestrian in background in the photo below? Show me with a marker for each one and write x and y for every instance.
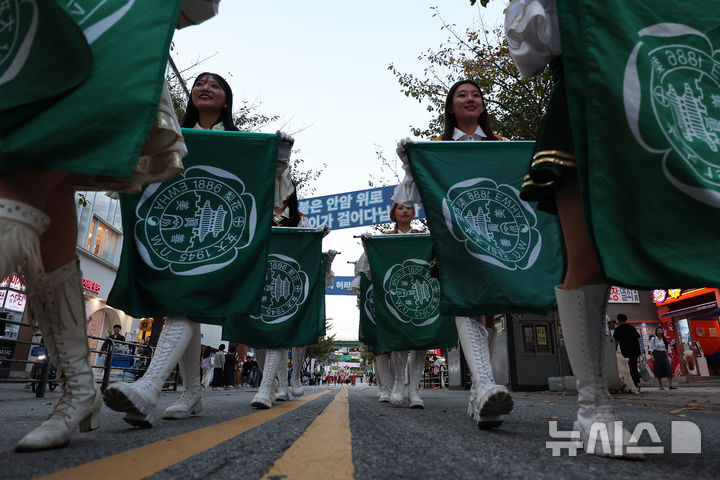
(219, 364)
(661, 358)
(206, 364)
(229, 368)
(628, 338)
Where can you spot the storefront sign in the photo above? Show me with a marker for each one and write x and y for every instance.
(659, 296)
(351, 209)
(700, 331)
(623, 295)
(340, 287)
(91, 286)
(15, 301)
(13, 281)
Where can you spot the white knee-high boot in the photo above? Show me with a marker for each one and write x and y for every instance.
(264, 397)
(283, 393)
(139, 400)
(59, 309)
(488, 401)
(298, 357)
(417, 368)
(189, 402)
(385, 378)
(399, 362)
(582, 313)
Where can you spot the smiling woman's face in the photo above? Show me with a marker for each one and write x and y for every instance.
(208, 94)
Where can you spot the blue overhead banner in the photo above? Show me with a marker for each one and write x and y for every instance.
(351, 209)
(340, 287)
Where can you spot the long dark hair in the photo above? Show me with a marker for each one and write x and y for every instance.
(451, 120)
(191, 112)
(664, 337)
(293, 213)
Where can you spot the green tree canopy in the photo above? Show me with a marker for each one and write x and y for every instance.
(480, 54)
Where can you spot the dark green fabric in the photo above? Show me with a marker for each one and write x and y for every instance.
(367, 333)
(644, 98)
(100, 126)
(56, 44)
(293, 294)
(321, 288)
(192, 243)
(495, 253)
(406, 297)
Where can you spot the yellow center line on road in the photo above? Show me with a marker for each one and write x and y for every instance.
(149, 459)
(324, 451)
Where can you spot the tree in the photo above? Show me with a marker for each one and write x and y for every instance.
(480, 54)
(322, 350)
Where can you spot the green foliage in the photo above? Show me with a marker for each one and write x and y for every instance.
(482, 55)
(322, 350)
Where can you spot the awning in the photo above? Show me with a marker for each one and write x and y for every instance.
(695, 309)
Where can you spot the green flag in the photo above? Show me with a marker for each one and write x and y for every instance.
(321, 287)
(293, 293)
(643, 89)
(406, 297)
(367, 333)
(192, 243)
(81, 117)
(495, 253)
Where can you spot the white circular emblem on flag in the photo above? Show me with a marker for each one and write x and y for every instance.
(195, 223)
(18, 27)
(411, 294)
(369, 304)
(673, 77)
(286, 288)
(493, 223)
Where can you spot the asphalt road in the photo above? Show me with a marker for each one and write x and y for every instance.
(383, 442)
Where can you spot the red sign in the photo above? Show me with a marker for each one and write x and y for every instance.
(91, 286)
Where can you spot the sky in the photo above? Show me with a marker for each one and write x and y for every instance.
(321, 65)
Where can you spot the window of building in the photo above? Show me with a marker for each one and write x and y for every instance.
(99, 225)
(103, 241)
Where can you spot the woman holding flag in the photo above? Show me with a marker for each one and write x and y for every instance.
(466, 119)
(402, 215)
(38, 224)
(209, 107)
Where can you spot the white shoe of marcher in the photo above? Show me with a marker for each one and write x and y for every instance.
(417, 367)
(582, 314)
(139, 400)
(190, 402)
(265, 395)
(298, 358)
(399, 361)
(59, 307)
(488, 401)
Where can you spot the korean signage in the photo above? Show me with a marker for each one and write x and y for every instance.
(91, 286)
(340, 287)
(351, 209)
(623, 295)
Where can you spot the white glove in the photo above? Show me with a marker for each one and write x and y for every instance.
(406, 191)
(400, 150)
(197, 11)
(285, 146)
(331, 256)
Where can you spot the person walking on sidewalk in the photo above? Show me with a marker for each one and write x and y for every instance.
(661, 358)
(628, 338)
